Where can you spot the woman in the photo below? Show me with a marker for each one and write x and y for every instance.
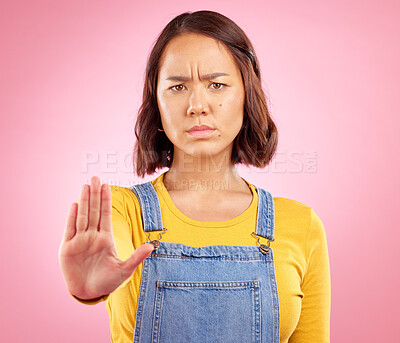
(227, 263)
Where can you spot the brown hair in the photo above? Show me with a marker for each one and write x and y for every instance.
(256, 141)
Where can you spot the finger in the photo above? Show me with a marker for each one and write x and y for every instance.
(70, 229)
(94, 204)
(106, 209)
(82, 216)
(136, 258)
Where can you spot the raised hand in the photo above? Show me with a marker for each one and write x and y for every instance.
(87, 253)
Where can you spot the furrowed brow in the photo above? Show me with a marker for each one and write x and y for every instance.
(178, 78)
(213, 76)
(204, 77)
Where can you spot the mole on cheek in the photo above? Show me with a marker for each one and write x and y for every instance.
(220, 104)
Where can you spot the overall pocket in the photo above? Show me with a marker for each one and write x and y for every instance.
(201, 312)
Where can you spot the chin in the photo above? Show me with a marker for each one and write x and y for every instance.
(205, 152)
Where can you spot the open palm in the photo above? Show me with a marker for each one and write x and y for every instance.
(87, 254)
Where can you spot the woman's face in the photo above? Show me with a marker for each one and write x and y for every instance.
(200, 83)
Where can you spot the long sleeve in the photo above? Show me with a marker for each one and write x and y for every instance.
(314, 322)
(122, 237)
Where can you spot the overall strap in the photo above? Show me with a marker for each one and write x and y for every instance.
(265, 214)
(149, 205)
(151, 211)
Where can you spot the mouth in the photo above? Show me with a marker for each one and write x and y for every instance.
(201, 133)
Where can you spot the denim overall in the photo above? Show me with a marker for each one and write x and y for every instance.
(217, 293)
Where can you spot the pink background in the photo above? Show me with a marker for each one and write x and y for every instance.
(71, 83)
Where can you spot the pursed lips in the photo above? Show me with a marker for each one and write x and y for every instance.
(201, 128)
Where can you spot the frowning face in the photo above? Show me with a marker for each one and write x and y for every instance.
(199, 83)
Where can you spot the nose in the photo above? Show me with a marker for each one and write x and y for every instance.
(198, 103)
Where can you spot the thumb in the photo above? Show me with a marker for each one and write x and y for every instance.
(136, 258)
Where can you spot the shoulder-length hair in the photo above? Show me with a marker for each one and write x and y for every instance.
(257, 139)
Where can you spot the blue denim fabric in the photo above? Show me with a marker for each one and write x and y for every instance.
(217, 293)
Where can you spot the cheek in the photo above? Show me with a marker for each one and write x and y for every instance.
(170, 120)
(232, 107)
(161, 103)
(169, 105)
(164, 106)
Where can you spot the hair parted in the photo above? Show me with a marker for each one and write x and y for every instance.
(257, 140)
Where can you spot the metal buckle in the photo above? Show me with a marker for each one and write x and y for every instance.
(155, 242)
(265, 249)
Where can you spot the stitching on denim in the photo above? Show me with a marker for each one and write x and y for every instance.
(157, 313)
(209, 284)
(259, 228)
(275, 300)
(257, 319)
(207, 258)
(149, 205)
(153, 209)
(140, 303)
(265, 214)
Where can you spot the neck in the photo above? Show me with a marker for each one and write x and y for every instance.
(204, 174)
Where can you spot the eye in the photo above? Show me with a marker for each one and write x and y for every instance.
(177, 88)
(216, 85)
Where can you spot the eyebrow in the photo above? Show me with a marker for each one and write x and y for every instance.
(204, 77)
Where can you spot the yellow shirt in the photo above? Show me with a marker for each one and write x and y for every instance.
(300, 255)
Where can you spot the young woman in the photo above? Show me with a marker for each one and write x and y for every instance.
(227, 262)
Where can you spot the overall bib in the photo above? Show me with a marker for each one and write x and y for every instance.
(217, 293)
